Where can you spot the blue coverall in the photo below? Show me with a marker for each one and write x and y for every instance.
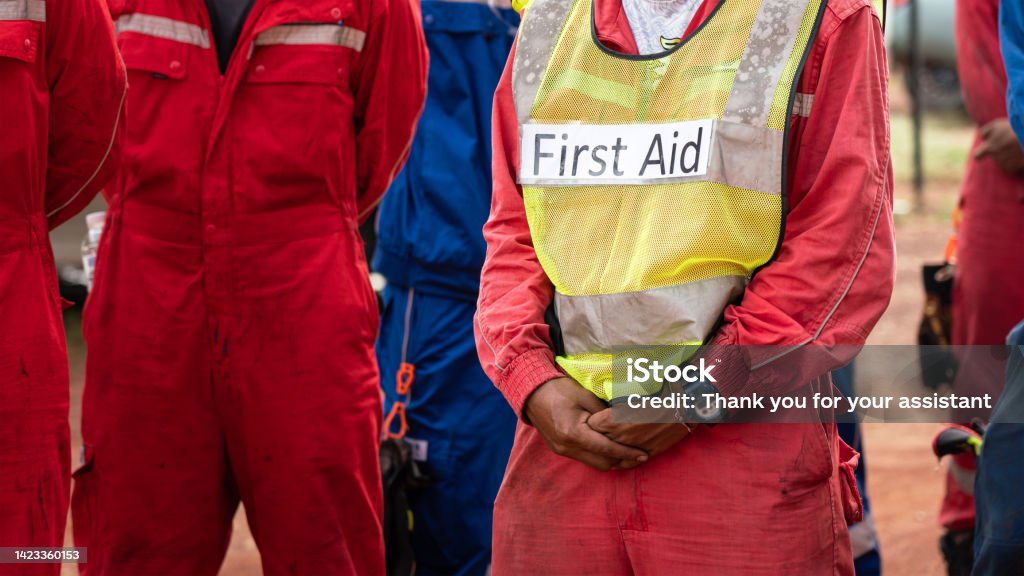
(1011, 44)
(430, 249)
(999, 530)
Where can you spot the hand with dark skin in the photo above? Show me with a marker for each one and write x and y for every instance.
(999, 142)
(652, 438)
(559, 410)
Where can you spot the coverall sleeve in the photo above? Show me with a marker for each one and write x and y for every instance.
(1011, 32)
(512, 337)
(87, 91)
(979, 62)
(834, 273)
(391, 87)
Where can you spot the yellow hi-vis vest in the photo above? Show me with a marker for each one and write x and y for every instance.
(654, 185)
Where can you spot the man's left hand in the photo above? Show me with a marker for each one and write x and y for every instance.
(653, 438)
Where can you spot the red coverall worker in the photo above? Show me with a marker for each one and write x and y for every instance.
(988, 293)
(731, 499)
(232, 322)
(62, 89)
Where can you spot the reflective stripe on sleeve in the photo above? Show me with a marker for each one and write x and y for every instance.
(31, 10)
(802, 104)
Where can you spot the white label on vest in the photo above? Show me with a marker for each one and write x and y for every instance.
(615, 154)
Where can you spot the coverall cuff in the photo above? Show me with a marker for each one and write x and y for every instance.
(732, 374)
(525, 374)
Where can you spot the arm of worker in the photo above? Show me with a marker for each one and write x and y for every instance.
(87, 91)
(390, 76)
(513, 340)
(834, 273)
(1011, 33)
(984, 80)
(512, 337)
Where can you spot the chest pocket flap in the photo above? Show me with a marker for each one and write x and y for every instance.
(20, 24)
(158, 44)
(305, 53)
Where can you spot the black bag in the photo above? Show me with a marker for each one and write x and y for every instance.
(938, 364)
(400, 474)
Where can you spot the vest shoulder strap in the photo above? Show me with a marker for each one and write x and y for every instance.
(766, 60)
(539, 31)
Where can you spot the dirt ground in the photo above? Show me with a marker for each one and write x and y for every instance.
(905, 482)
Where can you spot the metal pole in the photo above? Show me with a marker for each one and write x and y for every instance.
(917, 102)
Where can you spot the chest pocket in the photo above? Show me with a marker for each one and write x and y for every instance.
(21, 23)
(296, 106)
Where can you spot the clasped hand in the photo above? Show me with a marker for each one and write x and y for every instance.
(576, 424)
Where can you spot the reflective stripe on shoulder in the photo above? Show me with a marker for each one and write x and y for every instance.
(165, 28)
(313, 34)
(31, 10)
(802, 104)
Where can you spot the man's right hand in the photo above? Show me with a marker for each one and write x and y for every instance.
(999, 142)
(559, 410)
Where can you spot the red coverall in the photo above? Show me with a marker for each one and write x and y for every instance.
(733, 499)
(232, 322)
(988, 295)
(62, 89)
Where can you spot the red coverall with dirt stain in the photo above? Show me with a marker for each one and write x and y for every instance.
(988, 293)
(62, 90)
(232, 321)
(733, 499)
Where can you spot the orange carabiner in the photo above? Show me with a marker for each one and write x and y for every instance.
(404, 378)
(397, 410)
(951, 244)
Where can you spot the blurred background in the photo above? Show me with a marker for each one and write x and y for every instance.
(905, 481)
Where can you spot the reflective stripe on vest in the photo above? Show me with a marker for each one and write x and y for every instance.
(31, 10)
(165, 28)
(653, 184)
(313, 34)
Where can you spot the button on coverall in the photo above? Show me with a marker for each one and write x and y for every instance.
(733, 499)
(232, 322)
(62, 88)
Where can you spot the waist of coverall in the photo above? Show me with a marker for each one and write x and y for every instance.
(443, 280)
(234, 229)
(23, 233)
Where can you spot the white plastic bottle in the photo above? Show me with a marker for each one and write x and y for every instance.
(91, 243)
